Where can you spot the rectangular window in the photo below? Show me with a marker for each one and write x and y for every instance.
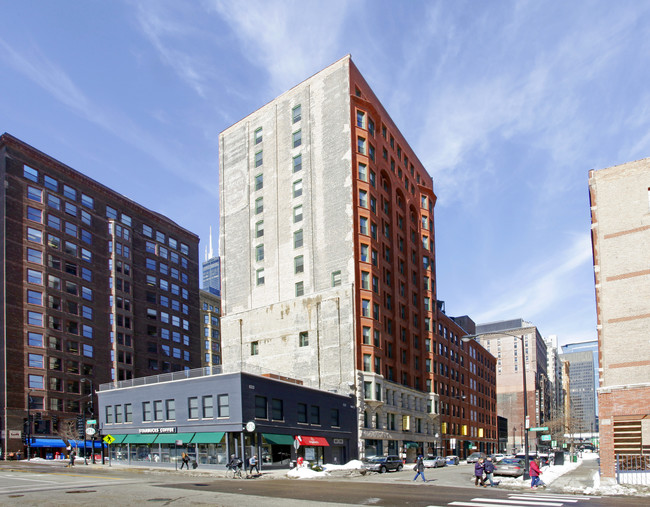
(259, 158)
(363, 225)
(297, 138)
(363, 198)
(255, 348)
(302, 413)
(223, 405)
(35, 277)
(259, 182)
(53, 221)
(259, 252)
(208, 407)
(258, 135)
(147, 415)
(128, 413)
(30, 174)
(69, 192)
(260, 407)
(336, 278)
(34, 214)
(361, 145)
(297, 239)
(297, 188)
(298, 264)
(300, 289)
(87, 201)
(35, 339)
(109, 414)
(297, 163)
(259, 205)
(36, 382)
(158, 410)
(193, 408)
(170, 410)
(35, 319)
(70, 209)
(259, 229)
(34, 235)
(335, 419)
(50, 183)
(53, 201)
(296, 114)
(277, 409)
(363, 172)
(297, 213)
(259, 276)
(361, 119)
(314, 414)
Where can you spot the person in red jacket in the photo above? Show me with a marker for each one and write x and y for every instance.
(534, 473)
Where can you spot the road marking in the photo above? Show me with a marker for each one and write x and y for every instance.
(542, 498)
(33, 480)
(491, 502)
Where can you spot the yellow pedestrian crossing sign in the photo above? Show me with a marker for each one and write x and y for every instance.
(109, 439)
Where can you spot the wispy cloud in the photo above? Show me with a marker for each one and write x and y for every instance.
(283, 37)
(535, 289)
(53, 79)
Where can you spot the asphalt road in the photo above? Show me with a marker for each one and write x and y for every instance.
(44, 485)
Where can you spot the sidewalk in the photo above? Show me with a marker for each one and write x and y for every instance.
(576, 480)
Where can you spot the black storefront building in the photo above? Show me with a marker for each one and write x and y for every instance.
(212, 416)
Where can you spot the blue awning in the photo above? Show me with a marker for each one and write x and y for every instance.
(47, 442)
(80, 443)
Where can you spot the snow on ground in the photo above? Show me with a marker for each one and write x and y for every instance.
(549, 474)
(355, 464)
(304, 472)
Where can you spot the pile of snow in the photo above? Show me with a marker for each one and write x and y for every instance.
(355, 464)
(304, 472)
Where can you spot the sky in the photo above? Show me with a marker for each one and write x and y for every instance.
(508, 104)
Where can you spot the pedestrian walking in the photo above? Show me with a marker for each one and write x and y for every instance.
(73, 455)
(534, 472)
(185, 461)
(478, 473)
(253, 464)
(419, 468)
(489, 471)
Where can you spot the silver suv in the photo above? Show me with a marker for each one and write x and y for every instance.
(475, 456)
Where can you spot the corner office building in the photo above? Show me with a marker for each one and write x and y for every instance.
(620, 235)
(328, 260)
(95, 288)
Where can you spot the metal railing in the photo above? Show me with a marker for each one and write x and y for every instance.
(633, 469)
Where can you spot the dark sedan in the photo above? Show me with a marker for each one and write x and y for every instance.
(383, 464)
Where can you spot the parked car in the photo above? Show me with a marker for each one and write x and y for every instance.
(475, 456)
(434, 461)
(512, 467)
(452, 460)
(383, 464)
(497, 457)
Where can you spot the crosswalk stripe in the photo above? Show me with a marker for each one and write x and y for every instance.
(530, 497)
(561, 497)
(475, 504)
(501, 501)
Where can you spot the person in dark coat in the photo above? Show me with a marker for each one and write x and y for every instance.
(478, 473)
(419, 468)
(489, 471)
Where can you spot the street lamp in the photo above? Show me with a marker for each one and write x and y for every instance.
(29, 424)
(92, 412)
(471, 337)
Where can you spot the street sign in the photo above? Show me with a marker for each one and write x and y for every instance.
(90, 431)
(109, 439)
(539, 428)
(91, 421)
(553, 443)
(296, 444)
(546, 438)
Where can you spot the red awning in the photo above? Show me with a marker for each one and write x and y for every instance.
(312, 441)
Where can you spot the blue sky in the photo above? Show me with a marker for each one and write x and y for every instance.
(507, 104)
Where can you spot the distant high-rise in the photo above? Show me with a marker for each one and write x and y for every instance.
(211, 270)
(582, 393)
(588, 346)
(96, 288)
(620, 234)
(328, 259)
(510, 361)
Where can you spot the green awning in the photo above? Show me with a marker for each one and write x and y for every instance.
(147, 438)
(274, 438)
(208, 437)
(118, 439)
(170, 438)
(411, 445)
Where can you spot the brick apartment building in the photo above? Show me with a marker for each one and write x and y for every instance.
(95, 288)
(620, 233)
(328, 264)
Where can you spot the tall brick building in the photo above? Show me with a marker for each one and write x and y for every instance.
(620, 233)
(95, 288)
(328, 265)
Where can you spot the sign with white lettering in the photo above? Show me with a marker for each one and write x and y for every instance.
(157, 430)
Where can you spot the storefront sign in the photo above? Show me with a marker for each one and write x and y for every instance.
(156, 430)
(338, 441)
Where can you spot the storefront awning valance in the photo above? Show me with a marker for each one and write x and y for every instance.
(312, 441)
(411, 445)
(274, 438)
(209, 437)
(118, 439)
(170, 438)
(147, 438)
(89, 443)
(47, 442)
